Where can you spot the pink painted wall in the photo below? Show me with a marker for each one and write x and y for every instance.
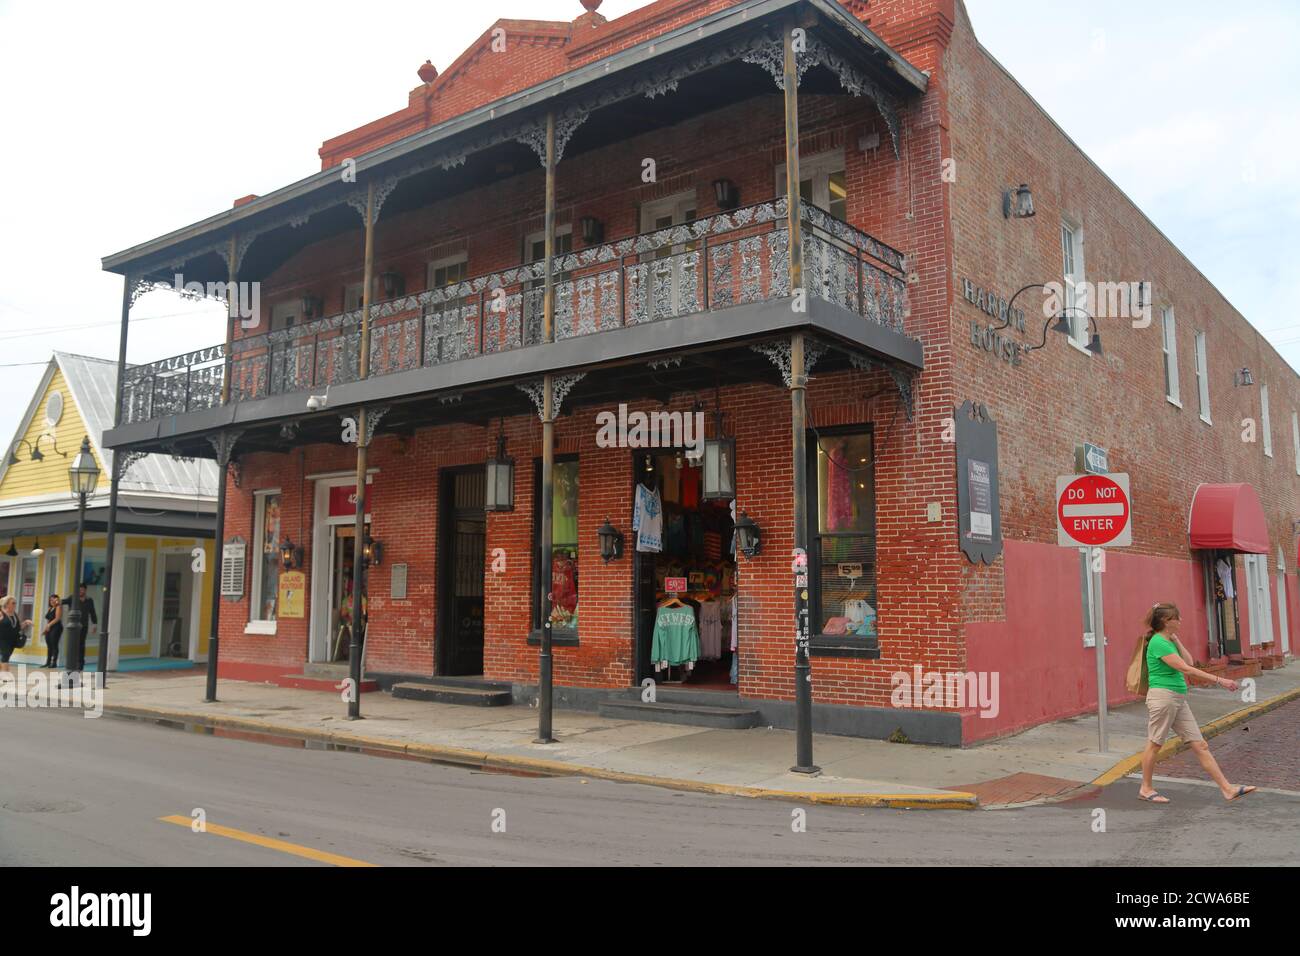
(1045, 672)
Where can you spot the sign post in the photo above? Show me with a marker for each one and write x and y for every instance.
(1094, 512)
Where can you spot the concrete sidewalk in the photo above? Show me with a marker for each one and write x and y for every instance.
(1032, 766)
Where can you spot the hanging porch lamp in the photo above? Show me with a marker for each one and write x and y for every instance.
(500, 494)
(719, 464)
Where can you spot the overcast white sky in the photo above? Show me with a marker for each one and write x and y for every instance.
(125, 120)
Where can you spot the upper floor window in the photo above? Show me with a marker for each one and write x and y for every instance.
(1264, 424)
(284, 315)
(1202, 378)
(1170, 346)
(821, 182)
(447, 271)
(1295, 439)
(1076, 299)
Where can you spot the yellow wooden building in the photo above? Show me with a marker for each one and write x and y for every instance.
(161, 610)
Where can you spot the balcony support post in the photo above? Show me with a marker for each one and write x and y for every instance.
(231, 311)
(363, 441)
(798, 422)
(105, 628)
(545, 693)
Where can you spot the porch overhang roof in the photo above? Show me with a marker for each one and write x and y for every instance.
(852, 35)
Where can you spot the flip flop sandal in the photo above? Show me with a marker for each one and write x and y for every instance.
(1153, 797)
(1241, 792)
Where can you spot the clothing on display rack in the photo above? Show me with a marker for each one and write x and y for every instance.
(648, 520)
(690, 487)
(710, 631)
(676, 637)
(1225, 577)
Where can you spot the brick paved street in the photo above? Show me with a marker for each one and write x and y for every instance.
(1264, 752)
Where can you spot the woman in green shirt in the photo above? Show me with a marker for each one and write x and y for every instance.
(1167, 708)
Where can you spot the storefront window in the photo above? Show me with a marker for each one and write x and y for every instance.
(842, 554)
(266, 566)
(564, 547)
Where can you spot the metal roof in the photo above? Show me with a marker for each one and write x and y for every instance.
(93, 383)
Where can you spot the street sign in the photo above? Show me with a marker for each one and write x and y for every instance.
(1092, 459)
(1093, 511)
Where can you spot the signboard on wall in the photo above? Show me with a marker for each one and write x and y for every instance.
(343, 500)
(293, 589)
(234, 565)
(979, 512)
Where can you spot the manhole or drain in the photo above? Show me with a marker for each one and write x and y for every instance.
(44, 806)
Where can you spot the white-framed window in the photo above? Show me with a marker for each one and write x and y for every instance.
(1264, 424)
(1295, 439)
(1203, 380)
(1169, 346)
(447, 271)
(1257, 594)
(535, 243)
(265, 557)
(669, 211)
(822, 182)
(1076, 298)
(660, 214)
(1283, 626)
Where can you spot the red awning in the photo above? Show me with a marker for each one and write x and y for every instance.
(1228, 517)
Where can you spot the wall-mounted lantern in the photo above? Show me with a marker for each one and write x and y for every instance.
(611, 541)
(500, 495)
(727, 193)
(1242, 378)
(593, 230)
(1018, 203)
(749, 536)
(372, 552)
(719, 464)
(290, 555)
(392, 283)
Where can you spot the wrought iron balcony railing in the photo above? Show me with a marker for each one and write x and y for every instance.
(711, 263)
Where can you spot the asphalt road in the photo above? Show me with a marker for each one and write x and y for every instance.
(93, 792)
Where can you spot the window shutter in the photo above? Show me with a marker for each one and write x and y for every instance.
(233, 565)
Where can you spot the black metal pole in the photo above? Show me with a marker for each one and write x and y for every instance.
(105, 627)
(358, 575)
(545, 659)
(76, 623)
(223, 460)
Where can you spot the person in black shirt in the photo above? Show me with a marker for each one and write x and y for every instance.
(53, 631)
(11, 631)
(88, 617)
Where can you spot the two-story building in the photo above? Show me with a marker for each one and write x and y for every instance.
(509, 304)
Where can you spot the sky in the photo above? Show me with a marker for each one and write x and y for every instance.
(123, 121)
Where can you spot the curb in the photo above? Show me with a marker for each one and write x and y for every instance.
(1215, 727)
(485, 760)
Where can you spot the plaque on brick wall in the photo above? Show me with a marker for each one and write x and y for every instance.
(397, 585)
(979, 516)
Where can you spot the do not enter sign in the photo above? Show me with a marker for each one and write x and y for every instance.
(1093, 511)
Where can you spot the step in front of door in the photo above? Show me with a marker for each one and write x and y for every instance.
(693, 715)
(481, 696)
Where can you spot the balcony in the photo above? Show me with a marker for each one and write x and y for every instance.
(712, 264)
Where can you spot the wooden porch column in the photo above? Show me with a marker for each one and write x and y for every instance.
(363, 441)
(798, 419)
(545, 661)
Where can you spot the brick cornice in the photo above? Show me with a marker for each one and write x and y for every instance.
(635, 22)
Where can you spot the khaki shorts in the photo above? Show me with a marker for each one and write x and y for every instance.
(1168, 710)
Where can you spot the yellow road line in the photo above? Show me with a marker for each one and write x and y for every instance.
(319, 856)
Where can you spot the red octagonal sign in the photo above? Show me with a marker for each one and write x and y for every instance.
(1093, 511)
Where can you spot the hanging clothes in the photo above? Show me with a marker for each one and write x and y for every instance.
(710, 631)
(691, 487)
(735, 656)
(839, 491)
(676, 637)
(648, 520)
(1225, 577)
(672, 483)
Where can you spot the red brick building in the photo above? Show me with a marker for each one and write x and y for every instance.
(676, 288)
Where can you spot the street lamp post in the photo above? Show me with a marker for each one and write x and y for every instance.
(83, 476)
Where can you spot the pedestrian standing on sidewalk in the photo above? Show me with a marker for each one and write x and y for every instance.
(53, 630)
(11, 631)
(1168, 662)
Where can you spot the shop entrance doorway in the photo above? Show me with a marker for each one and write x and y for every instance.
(1220, 571)
(343, 554)
(458, 650)
(696, 536)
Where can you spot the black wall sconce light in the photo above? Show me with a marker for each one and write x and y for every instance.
(1018, 203)
(1242, 378)
(392, 283)
(611, 541)
(727, 193)
(372, 553)
(749, 536)
(290, 555)
(593, 230)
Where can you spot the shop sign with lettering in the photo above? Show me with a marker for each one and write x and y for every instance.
(984, 336)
